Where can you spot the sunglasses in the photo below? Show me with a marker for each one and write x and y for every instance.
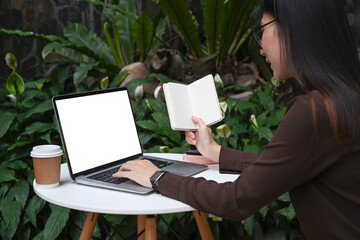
(258, 32)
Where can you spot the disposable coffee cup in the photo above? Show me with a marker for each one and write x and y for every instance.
(47, 162)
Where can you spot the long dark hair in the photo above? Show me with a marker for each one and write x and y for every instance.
(319, 50)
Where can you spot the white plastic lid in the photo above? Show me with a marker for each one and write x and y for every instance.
(43, 151)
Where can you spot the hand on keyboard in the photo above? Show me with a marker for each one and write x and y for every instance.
(139, 171)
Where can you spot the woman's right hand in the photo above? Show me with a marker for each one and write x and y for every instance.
(203, 140)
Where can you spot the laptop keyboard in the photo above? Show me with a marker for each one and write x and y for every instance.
(106, 176)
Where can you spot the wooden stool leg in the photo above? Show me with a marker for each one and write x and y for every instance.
(203, 225)
(89, 226)
(141, 219)
(150, 228)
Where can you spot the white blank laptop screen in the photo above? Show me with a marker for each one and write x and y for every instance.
(98, 129)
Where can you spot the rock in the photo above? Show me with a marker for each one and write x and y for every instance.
(245, 96)
(167, 62)
(139, 70)
(248, 81)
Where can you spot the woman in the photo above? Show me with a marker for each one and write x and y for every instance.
(315, 151)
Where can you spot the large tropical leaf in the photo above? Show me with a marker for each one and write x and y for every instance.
(40, 108)
(51, 38)
(21, 190)
(34, 207)
(213, 17)
(56, 222)
(11, 212)
(244, 30)
(81, 36)
(184, 21)
(6, 118)
(81, 72)
(143, 32)
(67, 51)
(234, 10)
(123, 17)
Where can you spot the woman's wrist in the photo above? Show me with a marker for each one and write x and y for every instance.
(213, 152)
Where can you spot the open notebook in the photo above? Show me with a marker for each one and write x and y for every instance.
(99, 134)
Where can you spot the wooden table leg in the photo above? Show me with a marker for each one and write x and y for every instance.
(150, 228)
(89, 225)
(141, 219)
(203, 225)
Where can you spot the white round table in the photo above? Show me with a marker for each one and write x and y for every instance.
(98, 200)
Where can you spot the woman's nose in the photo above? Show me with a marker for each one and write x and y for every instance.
(262, 53)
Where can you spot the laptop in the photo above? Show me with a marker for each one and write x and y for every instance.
(99, 134)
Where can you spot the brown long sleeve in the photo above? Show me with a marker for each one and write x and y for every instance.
(323, 180)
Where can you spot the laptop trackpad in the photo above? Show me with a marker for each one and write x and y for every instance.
(134, 187)
(184, 168)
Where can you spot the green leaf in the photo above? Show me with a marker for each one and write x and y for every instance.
(163, 122)
(81, 72)
(243, 105)
(6, 118)
(288, 212)
(17, 164)
(111, 44)
(285, 197)
(37, 127)
(234, 13)
(266, 133)
(122, 17)
(4, 188)
(11, 61)
(265, 100)
(131, 86)
(19, 144)
(104, 82)
(213, 15)
(69, 51)
(35, 205)
(39, 236)
(119, 78)
(6, 174)
(51, 38)
(21, 190)
(276, 117)
(253, 149)
(143, 31)
(40, 108)
(157, 105)
(146, 137)
(30, 95)
(15, 84)
(275, 234)
(249, 225)
(263, 211)
(149, 125)
(181, 17)
(161, 77)
(56, 222)
(239, 128)
(80, 35)
(11, 212)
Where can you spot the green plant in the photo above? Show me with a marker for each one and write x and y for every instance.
(93, 57)
(227, 24)
(27, 118)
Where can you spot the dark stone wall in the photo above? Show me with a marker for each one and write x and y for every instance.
(40, 16)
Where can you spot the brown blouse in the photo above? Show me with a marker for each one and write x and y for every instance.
(323, 179)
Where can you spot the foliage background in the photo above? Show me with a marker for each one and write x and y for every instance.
(85, 61)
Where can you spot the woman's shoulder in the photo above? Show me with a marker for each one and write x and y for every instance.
(306, 101)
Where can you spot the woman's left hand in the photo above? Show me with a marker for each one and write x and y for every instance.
(139, 171)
